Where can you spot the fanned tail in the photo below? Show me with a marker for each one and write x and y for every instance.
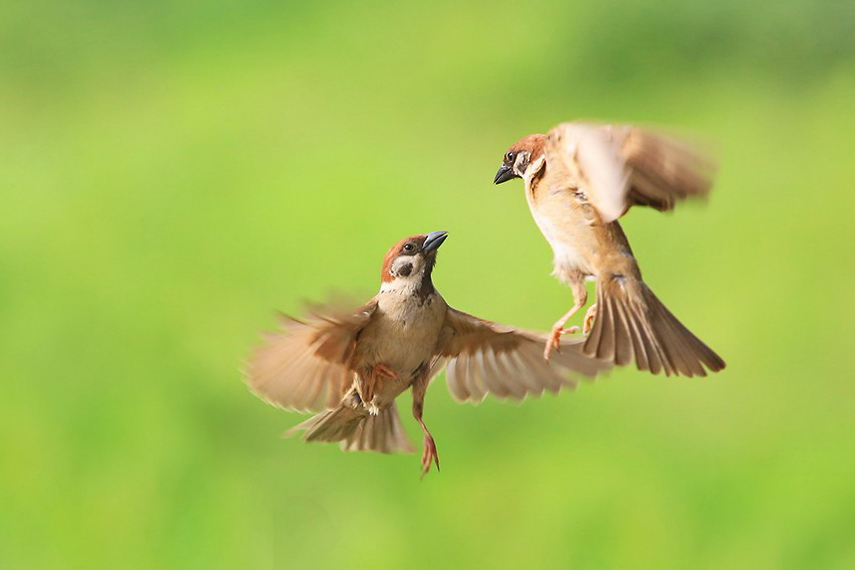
(632, 324)
(357, 430)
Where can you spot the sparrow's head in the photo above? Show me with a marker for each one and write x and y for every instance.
(408, 265)
(523, 160)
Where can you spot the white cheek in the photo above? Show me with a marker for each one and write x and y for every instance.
(532, 169)
(415, 264)
(403, 283)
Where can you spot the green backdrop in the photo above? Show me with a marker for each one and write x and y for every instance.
(172, 173)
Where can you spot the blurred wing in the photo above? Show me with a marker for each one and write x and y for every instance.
(304, 366)
(620, 166)
(487, 358)
(589, 158)
(664, 170)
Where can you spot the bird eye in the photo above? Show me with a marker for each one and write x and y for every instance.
(409, 248)
(510, 156)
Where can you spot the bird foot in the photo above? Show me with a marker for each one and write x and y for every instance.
(429, 455)
(383, 370)
(554, 342)
(588, 323)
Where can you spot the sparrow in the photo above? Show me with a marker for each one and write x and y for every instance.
(579, 179)
(349, 367)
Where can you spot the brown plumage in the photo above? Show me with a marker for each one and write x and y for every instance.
(351, 366)
(579, 179)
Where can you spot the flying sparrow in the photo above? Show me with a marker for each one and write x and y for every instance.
(351, 367)
(579, 179)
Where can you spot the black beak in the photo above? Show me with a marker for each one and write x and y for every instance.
(504, 174)
(433, 241)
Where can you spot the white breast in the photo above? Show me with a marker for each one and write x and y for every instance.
(556, 219)
(403, 334)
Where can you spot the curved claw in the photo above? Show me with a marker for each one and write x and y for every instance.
(588, 322)
(368, 386)
(554, 342)
(429, 455)
(383, 370)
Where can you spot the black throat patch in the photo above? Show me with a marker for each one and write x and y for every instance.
(426, 288)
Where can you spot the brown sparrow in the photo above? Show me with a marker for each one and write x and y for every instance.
(579, 179)
(350, 367)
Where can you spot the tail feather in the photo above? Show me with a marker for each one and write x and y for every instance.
(645, 353)
(623, 341)
(632, 324)
(357, 430)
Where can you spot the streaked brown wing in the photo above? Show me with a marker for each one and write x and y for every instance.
(664, 170)
(487, 358)
(304, 366)
(617, 167)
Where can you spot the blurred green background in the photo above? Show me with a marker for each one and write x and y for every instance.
(171, 173)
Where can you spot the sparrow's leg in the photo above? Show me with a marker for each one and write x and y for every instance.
(429, 454)
(378, 373)
(580, 297)
(588, 322)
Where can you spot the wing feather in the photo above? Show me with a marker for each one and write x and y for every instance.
(305, 365)
(616, 167)
(488, 358)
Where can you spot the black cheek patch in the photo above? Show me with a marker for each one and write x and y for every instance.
(405, 269)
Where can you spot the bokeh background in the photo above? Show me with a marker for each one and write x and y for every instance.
(174, 172)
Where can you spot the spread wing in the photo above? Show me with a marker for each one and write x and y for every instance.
(617, 167)
(304, 366)
(487, 358)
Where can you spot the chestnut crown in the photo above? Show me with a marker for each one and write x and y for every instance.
(413, 258)
(517, 160)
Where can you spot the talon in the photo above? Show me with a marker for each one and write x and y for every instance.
(374, 382)
(383, 370)
(550, 345)
(588, 323)
(429, 455)
(554, 342)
